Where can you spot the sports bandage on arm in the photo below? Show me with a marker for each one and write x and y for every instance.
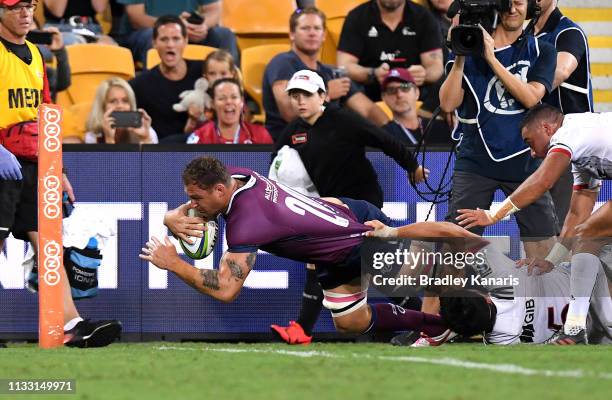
(557, 254)
(499, 212)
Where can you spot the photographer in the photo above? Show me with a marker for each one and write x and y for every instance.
(491, 93)
(115, 95)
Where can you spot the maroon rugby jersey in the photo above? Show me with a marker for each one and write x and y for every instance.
(267, 215)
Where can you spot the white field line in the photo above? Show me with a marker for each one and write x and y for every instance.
(446, 361)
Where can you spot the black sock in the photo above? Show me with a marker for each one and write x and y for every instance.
(312, 301)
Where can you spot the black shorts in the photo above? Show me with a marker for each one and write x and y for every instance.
(19, 203)
(333, 275)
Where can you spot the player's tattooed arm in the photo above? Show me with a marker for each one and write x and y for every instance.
(210, 278)
(239, 270)
(225, 282)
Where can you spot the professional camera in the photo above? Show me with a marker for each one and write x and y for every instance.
(466, 38)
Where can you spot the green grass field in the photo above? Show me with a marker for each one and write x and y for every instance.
(319, 371)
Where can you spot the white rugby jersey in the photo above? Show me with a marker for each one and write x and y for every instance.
(587, 139)
(540, 302)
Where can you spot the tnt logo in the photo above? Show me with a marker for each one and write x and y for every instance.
(498, 99)
(51, 196)
(52, 251)
(51, 129)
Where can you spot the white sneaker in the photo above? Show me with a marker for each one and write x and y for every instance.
(426, 341)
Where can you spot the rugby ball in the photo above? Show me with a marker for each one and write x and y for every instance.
(202, 246)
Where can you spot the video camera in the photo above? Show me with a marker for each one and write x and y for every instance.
(466, 38)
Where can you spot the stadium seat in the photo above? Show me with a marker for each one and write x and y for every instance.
(75, 118)
(330, 46)
(254, 61)
(90, 65)
(192, 52)
(383, 106)
(337, 8)
(258, 22)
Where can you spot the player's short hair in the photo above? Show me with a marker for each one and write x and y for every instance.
(168, 19)
(295, 16)
(205, 172)
(467, 312)
(540, 112)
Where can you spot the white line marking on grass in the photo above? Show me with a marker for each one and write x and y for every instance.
(504, 368)
(446, 361)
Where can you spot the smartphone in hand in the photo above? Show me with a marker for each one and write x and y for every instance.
(40, 37)
(127, 119)
(195, 18)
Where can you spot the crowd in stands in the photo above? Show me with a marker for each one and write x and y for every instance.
(170, 33)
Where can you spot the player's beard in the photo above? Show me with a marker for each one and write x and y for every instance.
(390, 5)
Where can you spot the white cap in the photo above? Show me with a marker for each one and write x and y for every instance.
(306, 80)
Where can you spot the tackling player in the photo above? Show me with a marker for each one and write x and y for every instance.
(584, 141)
(263, 214)
(531, 311)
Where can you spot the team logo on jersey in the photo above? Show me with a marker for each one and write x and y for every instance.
(407, 32)
(384, 56)
(299, 138)
(528, 332)
(373, 32)
(498, 99)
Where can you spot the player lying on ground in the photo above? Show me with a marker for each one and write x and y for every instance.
(262, 214)
(530, 311)
(584, 141)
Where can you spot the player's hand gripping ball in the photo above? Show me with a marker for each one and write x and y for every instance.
(201, 246)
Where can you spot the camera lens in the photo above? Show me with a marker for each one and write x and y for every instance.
(469, 40)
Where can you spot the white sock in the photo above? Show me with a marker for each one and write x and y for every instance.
(72, 323)
(585, 267)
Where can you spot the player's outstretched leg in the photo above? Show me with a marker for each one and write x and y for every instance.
(352, 314)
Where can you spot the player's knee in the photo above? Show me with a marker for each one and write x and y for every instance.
(348, 310)
(356, 322)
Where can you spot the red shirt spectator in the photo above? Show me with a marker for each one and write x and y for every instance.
(247, 133)
(227, 125)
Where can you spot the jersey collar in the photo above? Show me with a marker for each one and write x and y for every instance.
(250, 183)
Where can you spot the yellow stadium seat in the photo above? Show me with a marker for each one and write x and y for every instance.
(254, 61)
(334, 28)
(337, 8)
(192, 52)
(91, 64)
(383, 106)
(258, 22)
(39, 14)
(75, 118)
